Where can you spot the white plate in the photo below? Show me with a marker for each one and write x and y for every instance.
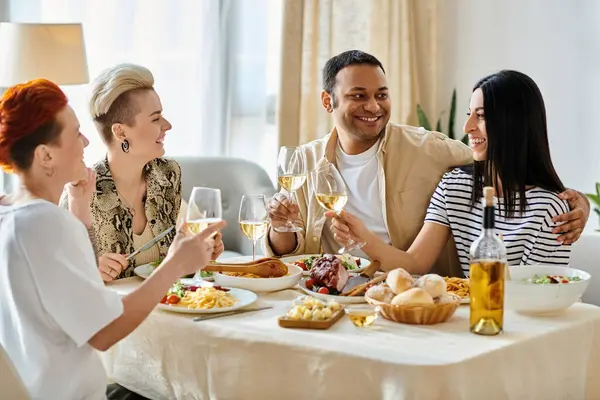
(261, 284)
(145, 270)
(326, 297)
(364, 263)
(244, 297)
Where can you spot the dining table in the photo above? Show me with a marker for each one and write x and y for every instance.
(249, 356)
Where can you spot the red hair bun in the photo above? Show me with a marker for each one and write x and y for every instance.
(24, 108)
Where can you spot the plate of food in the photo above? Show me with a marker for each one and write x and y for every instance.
(145, 270)
(259, 284)
(328, 277)
(207, 299)
(460, 287)
(352, 264)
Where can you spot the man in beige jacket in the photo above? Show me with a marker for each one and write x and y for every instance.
(390, 170)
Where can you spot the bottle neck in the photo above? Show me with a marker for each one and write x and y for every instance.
(488, 220)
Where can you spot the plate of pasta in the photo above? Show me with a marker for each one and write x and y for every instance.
(459, 287)
(206, 299)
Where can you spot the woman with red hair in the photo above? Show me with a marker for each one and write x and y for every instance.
(54, 305)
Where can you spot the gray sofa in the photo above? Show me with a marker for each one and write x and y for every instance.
(234, 177)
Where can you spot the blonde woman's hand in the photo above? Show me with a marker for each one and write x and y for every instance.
(80, 196)
(191, 252)
(111, 265)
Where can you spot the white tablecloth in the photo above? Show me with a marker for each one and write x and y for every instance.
(250, 357)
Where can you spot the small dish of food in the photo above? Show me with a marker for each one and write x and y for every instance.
(362, 316)
(308, 312)
(544, 289)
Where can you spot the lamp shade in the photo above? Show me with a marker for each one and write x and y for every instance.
(52, 51)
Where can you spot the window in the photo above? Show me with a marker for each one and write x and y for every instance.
(215, 63)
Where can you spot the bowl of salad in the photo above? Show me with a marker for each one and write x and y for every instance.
(544, 289)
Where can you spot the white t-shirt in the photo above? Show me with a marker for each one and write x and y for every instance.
(361, 174)
(52, 301)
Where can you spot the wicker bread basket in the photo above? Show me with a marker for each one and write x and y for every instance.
(415, 314)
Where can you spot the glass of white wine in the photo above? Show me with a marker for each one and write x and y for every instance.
(254, 218)
(331, 194)
(291, 175)
(204, 209)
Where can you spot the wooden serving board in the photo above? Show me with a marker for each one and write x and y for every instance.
(286, 322)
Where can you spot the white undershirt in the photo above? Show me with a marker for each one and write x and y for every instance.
(52, 301)
(361, 174)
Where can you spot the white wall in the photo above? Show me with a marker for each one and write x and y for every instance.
(557, 43)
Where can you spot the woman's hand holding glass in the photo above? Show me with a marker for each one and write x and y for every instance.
(191, 251)
(205, 210)
(347, 228)
(330, 191)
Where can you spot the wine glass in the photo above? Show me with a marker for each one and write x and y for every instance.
(254, 218)
(331, 194)
(291, 175)
(204, 209)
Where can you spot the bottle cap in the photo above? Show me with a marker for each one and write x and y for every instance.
(488, 196)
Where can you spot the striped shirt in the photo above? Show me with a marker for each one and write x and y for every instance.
(528, 237)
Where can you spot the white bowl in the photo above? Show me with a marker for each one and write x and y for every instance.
(261, 284)
(531, 298)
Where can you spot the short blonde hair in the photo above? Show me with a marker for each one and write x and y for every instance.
(111, 102)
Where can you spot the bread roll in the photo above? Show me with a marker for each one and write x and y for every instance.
(413, 297)
(447, 298)
(399, 280)
(381, 293)
(433, 284)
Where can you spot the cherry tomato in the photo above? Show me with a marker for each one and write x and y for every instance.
(163, 300)
(173, 299)
(310, 282)
(324, 290)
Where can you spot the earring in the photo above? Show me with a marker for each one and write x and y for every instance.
(125, 146)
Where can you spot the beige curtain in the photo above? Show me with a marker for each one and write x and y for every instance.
(402, 34)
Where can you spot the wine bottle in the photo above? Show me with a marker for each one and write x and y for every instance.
(487, 274)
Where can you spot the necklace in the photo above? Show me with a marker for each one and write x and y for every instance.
(126, 202)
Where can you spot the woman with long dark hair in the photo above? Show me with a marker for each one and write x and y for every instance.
(507, 129)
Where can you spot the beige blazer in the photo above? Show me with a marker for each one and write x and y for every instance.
(411, 163)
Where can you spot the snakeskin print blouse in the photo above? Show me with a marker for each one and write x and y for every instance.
(112, 222)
